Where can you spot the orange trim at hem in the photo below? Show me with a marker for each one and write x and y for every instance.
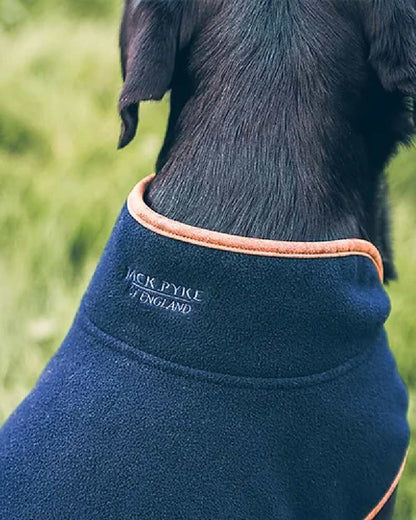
(389, 493)
(252, 246)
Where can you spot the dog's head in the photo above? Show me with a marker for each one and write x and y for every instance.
(154, 32)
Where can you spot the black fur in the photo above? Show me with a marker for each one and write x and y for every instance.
(284, 113)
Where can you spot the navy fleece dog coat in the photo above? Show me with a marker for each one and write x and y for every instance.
(214, 377)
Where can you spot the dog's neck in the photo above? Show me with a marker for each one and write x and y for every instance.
(262, 171)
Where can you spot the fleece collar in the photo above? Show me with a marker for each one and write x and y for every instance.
(241, 306)
(161, 225)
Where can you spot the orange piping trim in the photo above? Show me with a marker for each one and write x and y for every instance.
(389, 493)
(252, 246)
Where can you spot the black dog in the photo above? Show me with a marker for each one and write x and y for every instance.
(283, 114)
(212, 376)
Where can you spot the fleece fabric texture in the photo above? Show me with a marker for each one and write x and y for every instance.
(201, 384)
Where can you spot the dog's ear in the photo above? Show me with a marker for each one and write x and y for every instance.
(391, 26)
(149, 38)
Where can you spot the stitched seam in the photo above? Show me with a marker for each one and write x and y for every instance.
(305, 254)
(247, 248)
(389, 493)
(225, 380)
(241, 249)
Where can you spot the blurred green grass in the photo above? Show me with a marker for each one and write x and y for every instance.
(62, 183)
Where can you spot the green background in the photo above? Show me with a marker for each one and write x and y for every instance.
(62, 183)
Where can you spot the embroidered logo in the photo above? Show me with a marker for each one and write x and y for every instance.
(155, 292)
